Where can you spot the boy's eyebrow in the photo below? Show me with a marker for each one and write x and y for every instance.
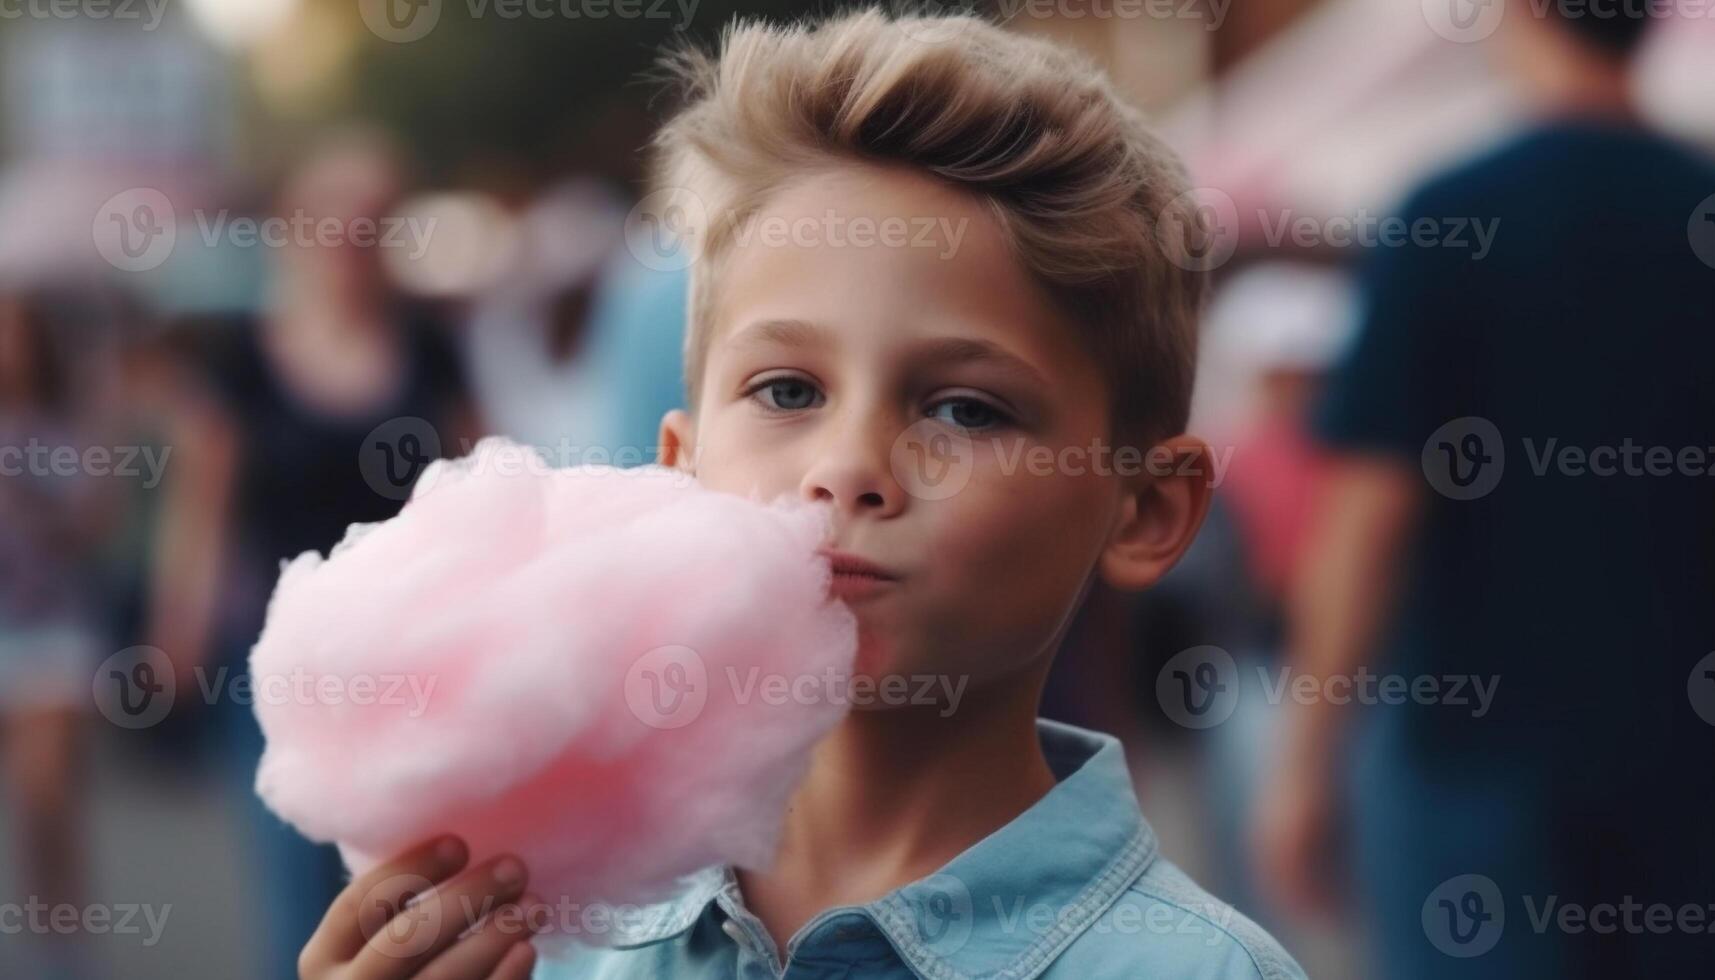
(942, 350)
(973, 350)
(785, 333)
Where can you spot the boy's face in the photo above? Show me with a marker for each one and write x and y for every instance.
(915, 388)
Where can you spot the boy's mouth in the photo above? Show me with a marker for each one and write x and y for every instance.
(855, 577)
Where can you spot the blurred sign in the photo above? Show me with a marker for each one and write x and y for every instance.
(112, 93)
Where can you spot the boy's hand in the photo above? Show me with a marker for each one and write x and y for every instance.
(413, 916)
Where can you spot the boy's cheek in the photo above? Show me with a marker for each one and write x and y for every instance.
(734, 463)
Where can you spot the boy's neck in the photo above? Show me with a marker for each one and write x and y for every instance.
(892, 796)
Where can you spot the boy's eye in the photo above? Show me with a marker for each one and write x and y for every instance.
(785, 394)
(968, 413)
(797, 394)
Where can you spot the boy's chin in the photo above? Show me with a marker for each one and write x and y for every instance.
(876, 655)
(888, 679)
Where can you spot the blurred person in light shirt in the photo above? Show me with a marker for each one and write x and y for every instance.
(577, 351)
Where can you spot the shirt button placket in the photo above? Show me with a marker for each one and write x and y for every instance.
(751, 964)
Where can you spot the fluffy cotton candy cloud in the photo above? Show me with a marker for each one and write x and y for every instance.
(539, 660)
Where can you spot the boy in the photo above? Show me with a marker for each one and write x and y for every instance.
(901, 217)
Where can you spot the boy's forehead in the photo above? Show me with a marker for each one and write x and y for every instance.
(873, 190)
(877, 253)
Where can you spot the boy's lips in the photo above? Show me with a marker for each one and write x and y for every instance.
(855, 577)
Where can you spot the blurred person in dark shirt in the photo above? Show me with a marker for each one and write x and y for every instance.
(1494, 517)
(316, 414)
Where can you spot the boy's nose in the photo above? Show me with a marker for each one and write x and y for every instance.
(853, 470)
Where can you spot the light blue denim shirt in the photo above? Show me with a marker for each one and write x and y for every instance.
(1071, 889)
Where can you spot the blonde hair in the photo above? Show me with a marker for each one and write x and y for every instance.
(1075, 178)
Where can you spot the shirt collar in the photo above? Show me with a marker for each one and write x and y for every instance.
(1072, 852)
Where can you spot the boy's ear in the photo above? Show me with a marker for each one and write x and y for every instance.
(676, 446)
(1159, 516)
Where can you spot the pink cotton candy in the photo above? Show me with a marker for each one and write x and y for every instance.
(517, 658)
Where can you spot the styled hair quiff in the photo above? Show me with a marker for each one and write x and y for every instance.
(1072, 173)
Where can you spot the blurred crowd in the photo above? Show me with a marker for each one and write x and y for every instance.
(178, 417)
(160, 465)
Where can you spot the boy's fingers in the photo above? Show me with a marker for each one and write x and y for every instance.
(364, 906)
(426, 927)
(519, 961)
(480, 953)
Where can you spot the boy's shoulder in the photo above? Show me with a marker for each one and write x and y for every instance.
(1161, 925)
(1168, 923)
(1075, 887)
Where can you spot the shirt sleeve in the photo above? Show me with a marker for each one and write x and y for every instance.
(1392, 387)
